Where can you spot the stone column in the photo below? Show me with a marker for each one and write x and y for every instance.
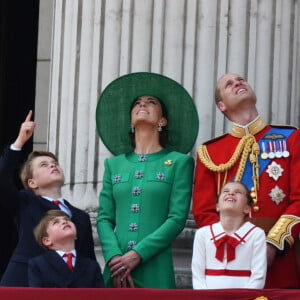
(192, 41)
(74, 92)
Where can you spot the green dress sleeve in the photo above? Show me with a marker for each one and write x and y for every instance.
(105, 221)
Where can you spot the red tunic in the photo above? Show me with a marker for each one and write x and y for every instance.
(281, 220)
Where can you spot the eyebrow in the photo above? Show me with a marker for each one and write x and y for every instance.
(47, 161)
(149, 97)
(58, 218)
(234, 78)
(227, 82)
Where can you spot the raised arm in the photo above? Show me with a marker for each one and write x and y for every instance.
(26, 131)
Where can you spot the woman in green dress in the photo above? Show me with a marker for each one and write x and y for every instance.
(147, 185)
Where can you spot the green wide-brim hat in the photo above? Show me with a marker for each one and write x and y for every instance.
(113, 111)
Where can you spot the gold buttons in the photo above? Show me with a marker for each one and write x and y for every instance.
(256, 208)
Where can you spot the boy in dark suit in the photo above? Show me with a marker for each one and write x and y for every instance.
(57, 233)
(43, 179)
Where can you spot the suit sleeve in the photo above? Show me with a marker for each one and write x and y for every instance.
(9, 161)
(34, 274)
(98, 279)
(84, 243)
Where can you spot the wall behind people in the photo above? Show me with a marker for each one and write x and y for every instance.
(85, 45)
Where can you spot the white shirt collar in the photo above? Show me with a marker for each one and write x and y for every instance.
(61, 253)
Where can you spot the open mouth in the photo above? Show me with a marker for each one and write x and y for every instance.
(142, 112)
(241, 91)
(230, 200)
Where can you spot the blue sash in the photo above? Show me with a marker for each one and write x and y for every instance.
(247, 176)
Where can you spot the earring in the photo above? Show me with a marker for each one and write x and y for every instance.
(132, 128)
(159, 127)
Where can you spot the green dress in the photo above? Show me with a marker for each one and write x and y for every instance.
(143, 206)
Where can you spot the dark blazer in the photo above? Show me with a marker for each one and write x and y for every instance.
(50, 270)
(29, 208)
(9, 238)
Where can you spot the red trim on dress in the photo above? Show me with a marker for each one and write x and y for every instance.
(226, 272)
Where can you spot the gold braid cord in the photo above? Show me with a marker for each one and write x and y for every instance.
(247, 146)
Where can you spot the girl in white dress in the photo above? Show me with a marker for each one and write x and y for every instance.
(232, 252)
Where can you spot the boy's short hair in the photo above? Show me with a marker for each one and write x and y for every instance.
(40, 230)
(26, 171)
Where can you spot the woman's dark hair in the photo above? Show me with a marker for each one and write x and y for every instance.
(163, 134)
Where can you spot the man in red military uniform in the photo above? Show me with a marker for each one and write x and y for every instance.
(267, 159)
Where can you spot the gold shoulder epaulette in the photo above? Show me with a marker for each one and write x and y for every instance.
(219, 137)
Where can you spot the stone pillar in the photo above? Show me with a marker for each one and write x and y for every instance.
(73, 99)
(193, 41)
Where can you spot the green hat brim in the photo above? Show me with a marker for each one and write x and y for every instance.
(113, 111)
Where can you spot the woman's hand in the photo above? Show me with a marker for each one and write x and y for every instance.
(121, 266)
(123, 283)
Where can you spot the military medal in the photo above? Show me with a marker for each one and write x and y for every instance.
(264, 154)
(285, 152)
(274, 170)
(278, 151)
(271, 153)
(277, 195)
